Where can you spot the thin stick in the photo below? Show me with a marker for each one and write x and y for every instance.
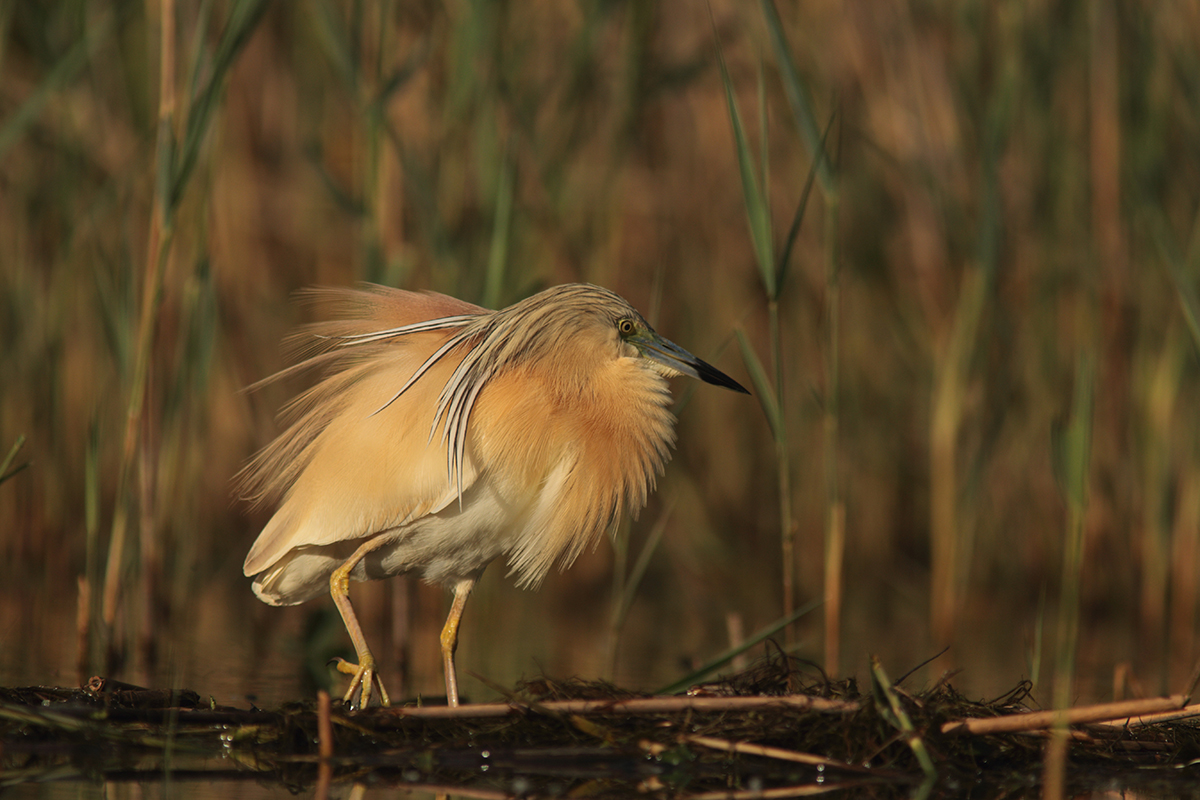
(1079, 737)
(1187, 712)
(324, 725)
(457, 790)
(1011, 723)
(157, 253)
(1072, 735)
(1193, 679)
(324, 745)
(641, 705)
(737, 635)
(835, 509)
(835, 548)
(777, 753)
(803, 790)
(83, 623)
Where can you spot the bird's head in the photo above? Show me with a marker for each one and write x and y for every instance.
(664, 356)
(584, 315)
(592, 310)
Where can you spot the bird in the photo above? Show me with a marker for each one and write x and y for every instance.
(441, 436)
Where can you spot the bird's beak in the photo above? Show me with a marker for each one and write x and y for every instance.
(675, 358)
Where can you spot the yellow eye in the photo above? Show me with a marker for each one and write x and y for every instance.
(626, 327)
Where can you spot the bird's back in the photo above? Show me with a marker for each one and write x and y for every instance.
(341, 470)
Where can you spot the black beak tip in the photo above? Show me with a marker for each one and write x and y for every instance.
(735, 386)
(710, 374)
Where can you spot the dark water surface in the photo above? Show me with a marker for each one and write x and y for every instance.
(235, 652)
(115, 741)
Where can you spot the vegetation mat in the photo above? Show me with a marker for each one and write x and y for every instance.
(779, 729)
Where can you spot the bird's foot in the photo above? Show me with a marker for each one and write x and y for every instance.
(365, 675)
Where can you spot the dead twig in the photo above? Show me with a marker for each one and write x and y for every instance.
(640, 705)
(1037, 720)
(324, 745)
(803, 790)
(778, 753)
(1187, 712)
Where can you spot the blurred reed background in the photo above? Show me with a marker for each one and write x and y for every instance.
(971, 326)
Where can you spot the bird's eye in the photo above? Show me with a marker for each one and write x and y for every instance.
(626, 327)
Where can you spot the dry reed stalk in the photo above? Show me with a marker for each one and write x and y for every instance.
(835, 504)
(641, 705)
(1142, 747)
(1074, 735)
(444, 790)
(1080, 737)
(83, 620)
(1143, 720)
(737, 635)
(324, 745)
(1185, 563)
(158, 250)
(1040, 720)
(835, 550)
(1054, 771)
(778, 753)
(324, 725)
(803, 790)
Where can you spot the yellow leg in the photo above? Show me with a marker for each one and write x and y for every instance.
(450, 637)
(364, 672)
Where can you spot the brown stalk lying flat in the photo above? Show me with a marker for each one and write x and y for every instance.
(640, 705)
(1126, 711)
(1187, 712)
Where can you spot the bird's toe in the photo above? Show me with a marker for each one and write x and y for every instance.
(364, 678)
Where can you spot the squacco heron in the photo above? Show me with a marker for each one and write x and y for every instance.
(443, 435)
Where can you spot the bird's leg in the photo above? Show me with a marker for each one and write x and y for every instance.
(364, 672)
(450, 637)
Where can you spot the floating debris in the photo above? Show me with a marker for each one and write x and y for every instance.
(779, 729)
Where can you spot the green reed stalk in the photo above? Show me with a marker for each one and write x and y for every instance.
(1074, 449)
(626, 580)
(823, 171)
(158, 248)
(768, 391)
(176, 159)
(835, 507)
(1076, 452)
(6, 463)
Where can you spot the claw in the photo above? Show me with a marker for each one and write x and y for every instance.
(365, 676)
